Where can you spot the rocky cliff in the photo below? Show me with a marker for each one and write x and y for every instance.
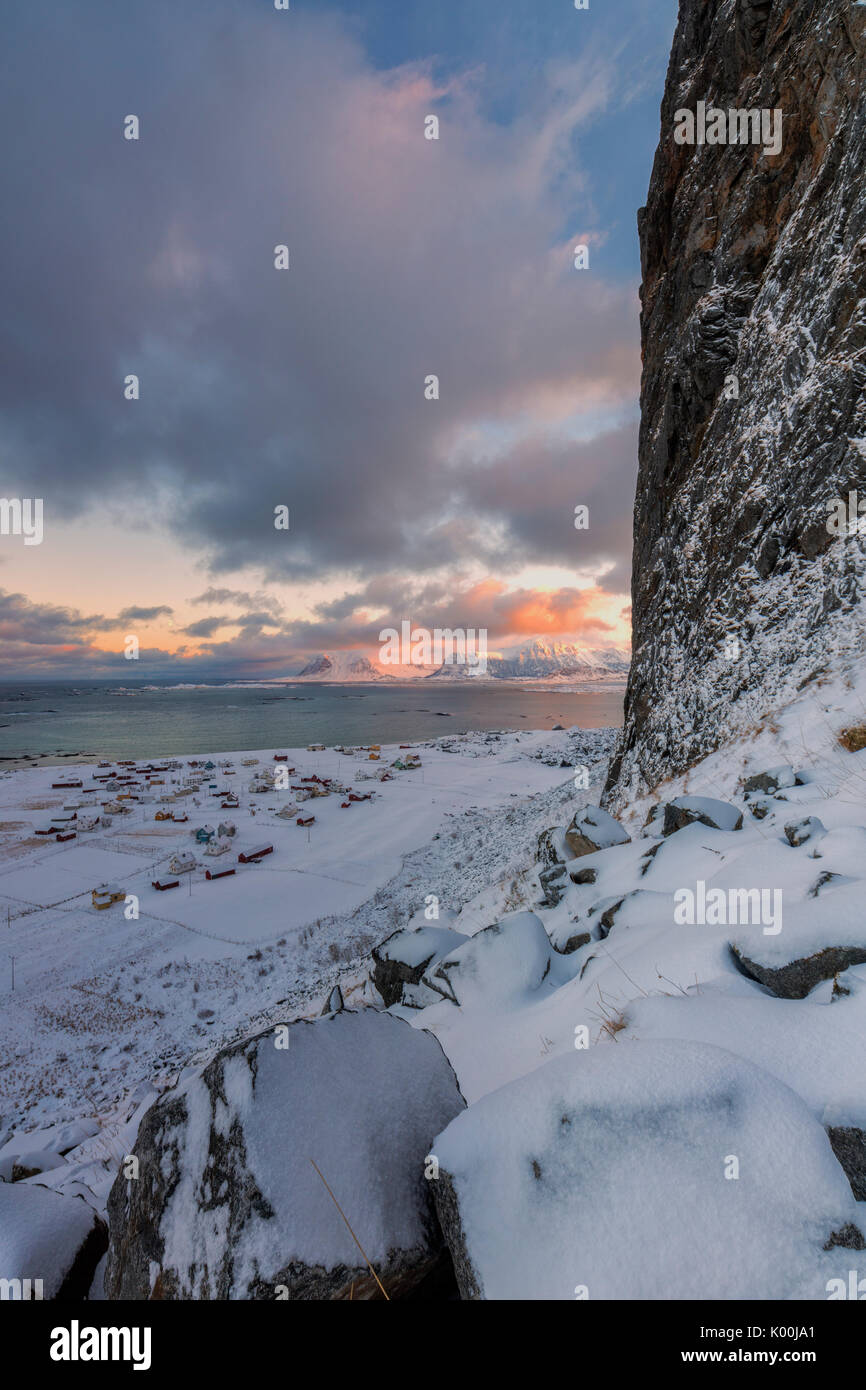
(753, 394)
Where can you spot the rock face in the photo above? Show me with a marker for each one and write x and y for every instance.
(228, 1204)
(754, 282)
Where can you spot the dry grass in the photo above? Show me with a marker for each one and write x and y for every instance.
(854, 739)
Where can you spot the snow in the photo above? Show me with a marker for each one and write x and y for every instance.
(40, 1234)
(709, 811)
(106, 1002)
(599, 827)
(359, 1094)
(505, 1004)
(416, 945)
(614, 1180)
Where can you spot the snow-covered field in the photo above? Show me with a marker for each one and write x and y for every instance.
(107, 1007)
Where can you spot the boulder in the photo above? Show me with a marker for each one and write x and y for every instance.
(588, 875)
(499, 966)
(849, 1146)
(553, 883)
(552, 848)
(796, 978)
(403, 957)
(771, 781)
(228, 1203)
(592, 829)
(810, 828)
(51, 1237)
(610, 1174)
(685, 810)
(31, 1162)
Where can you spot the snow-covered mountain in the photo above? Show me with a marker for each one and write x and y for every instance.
(535, 660)
(543, 660)
(341, 666)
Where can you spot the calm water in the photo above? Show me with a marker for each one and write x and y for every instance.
(49, 718)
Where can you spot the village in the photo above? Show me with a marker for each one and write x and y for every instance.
(126, 791)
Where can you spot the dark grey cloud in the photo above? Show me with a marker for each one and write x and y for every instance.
(305, 388)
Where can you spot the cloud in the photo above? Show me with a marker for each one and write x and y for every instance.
(265, 602)
(143, 615)
(306, 388)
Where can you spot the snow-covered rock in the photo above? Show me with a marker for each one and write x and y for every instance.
(499, 964)
(402, 958)
(228, 1203)
(770, 781)
(50, 1237)
(552, 847)
(810, 828)
(592, 829)
(643, 1170)
(684, 810)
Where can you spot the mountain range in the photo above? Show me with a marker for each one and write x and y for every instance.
(536, 660)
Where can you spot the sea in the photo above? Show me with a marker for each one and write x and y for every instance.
(93, 719)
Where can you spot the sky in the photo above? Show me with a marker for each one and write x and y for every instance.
(306, 389)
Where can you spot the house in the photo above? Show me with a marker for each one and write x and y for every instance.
(315, 747)
(204, 834)
(227, 829)
(309, 820)
(183, 862)
(106, 894)
(163, 884)
(217, 848)
(252, 856)
(221, 873)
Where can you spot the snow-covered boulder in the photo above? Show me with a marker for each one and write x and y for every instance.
(592, 829)
(228, 1204)
(31, 1162)
(49, 1236)
(811, 828)
(642, 1170)
(499, 965)
(821, 937)
(684, 810)
(402, 958)
(773, 780)
(795, 978)
(552, 847)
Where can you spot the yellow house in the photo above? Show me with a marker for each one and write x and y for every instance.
(106, 894)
